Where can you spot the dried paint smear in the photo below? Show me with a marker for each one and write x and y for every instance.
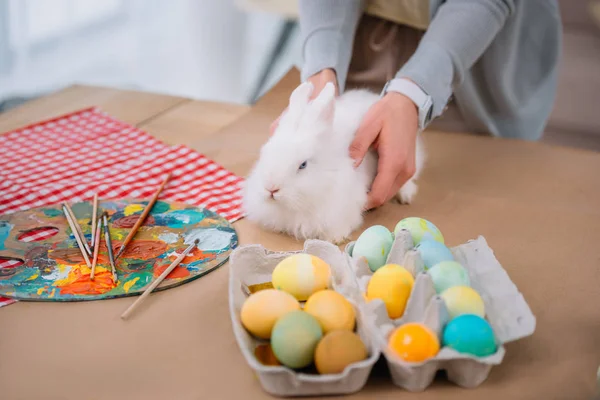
(54, 269)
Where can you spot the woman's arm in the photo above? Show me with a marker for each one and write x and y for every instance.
(458, 34)
(327, 34)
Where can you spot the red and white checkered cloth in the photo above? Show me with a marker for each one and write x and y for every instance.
(74, 156)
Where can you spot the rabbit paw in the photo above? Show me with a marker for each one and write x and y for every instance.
(337, 237)
(407, 192)
(339, 240)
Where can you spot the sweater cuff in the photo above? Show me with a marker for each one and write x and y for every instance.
(321, 51)
(431, 68)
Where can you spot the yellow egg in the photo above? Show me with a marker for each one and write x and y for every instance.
(392, 284)
(262, 309)
(461, 300)
(332, 310)
(301, 275)
(337, 350)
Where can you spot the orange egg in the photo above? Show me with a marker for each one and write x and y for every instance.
(332, 310)
(264, 354)
(337, 350)
(414, 342)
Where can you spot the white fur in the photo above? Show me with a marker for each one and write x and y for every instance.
(325, 200)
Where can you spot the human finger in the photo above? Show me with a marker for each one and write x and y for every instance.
(274, 125)
(384, 180)
(320, 79)
(395, 188)
(367, 132)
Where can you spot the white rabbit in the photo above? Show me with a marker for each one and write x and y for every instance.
(304, 183)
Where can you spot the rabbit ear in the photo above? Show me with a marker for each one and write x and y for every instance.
(300, 95)
(323, 106)
(298, 102)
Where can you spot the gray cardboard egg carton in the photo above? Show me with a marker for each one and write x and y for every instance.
(254, 264)
(506, 311)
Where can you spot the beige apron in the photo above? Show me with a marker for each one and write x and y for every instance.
(381, 47)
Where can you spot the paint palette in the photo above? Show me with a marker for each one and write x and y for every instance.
(40, 259)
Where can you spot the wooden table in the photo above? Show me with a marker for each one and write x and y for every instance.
(538, 206)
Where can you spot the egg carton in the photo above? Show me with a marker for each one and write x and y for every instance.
(506, 311)
(253, 264)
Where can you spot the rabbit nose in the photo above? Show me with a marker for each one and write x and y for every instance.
(273, 190)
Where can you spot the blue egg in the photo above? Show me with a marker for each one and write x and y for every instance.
(433, 252)
(470, 334)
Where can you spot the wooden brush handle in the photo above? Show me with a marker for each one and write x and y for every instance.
(76, 234)
(94, 218)
(158, 280)
(145, 213)
(96, 250)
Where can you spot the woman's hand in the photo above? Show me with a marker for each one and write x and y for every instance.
(390, 127)
(319, 80)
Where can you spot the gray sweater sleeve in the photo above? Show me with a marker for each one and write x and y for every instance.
(458, 34)
(327, 29)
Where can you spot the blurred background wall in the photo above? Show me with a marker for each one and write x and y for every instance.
(225, 50)
(204, 49)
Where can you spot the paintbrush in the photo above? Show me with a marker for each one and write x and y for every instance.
(159, 279)
(78, 228)
(96, 249)
(142, 217)
(94, 218)
(76, 234)
(111, 256)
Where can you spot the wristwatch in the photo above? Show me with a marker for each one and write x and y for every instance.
(411, 90)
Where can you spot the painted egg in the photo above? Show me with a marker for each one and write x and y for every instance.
(294, 339)
(332, 310)
(337, 350)
(470, 334)
(461, 300)
(414, 342)
(433, 252)
(392, 284)
(420, 229)
(262, 309)
(374, 244)
(301, 275)
(448, 274)
(264, 355)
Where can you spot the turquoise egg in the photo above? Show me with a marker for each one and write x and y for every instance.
(448, 274)
(294, 339)
(433, 252)
(374, 244)
(470, 334)
(420, 229)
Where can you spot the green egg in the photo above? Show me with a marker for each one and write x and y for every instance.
(294, 339)
(420, 229)
(374, 244)
(448, 274)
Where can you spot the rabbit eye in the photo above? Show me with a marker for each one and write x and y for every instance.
(303, 165)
